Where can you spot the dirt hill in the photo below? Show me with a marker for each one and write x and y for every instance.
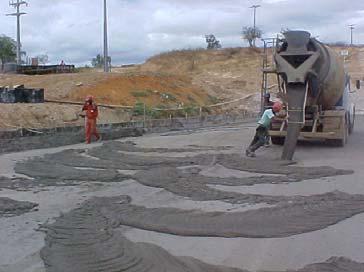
(236, 72)
(123, 87)
(154, 90)
(187, 77)
(227, 74)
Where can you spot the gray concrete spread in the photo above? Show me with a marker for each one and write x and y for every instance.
(89, 231)
(176, 193)
(10, 207)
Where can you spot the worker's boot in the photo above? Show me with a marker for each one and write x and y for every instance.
(249, 153)
(267, 142)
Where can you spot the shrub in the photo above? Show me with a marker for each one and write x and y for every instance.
(140, 93)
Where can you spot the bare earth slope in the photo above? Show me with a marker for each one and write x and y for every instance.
(228, 73)
(118, 88)
(186, 77)
(236, 72)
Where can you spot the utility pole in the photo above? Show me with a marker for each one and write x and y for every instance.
(255, 8)
(106, 54)
(16, 4)
(351, 34)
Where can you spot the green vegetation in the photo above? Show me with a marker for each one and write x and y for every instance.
(7, 50)
(191, 99)
(251, 34)
(98, 61)
(213, 99)
(140, 107)
(168, 96)
(161, 110)
(140, 93)
(191, 109)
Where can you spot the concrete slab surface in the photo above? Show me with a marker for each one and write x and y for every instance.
(202, 175)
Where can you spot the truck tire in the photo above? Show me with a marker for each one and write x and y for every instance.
(342, 142)
(352, 122)
(276, 140)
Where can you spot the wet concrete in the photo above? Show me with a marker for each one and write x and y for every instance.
(90, 231)
(322, 210)
(275, 254)
(279, 221)
(61, 136)
(185, 199)
(9, 207)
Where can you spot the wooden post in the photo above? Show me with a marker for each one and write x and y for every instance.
(144, 112)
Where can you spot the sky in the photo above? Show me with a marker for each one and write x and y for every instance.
(71, 30)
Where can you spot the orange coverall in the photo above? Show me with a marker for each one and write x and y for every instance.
(90, 121)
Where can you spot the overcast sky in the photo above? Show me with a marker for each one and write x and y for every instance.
(72, 29)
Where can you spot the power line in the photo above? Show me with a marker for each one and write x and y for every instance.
(16, 4)
(254, 7)
(351, 33)
(106, 54)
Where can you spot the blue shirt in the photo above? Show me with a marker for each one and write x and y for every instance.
(266, 118)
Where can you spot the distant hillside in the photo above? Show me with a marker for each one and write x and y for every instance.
(226, 73)
(187, 77)
(233, 72)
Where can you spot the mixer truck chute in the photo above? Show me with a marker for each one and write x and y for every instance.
(315, 90)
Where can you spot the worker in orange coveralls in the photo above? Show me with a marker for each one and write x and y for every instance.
(91, 115)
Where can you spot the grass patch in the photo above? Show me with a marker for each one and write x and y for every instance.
(168, 96)
(140, 107)
(191, 109)
(191, 99)
(213, 99)
(140, 93)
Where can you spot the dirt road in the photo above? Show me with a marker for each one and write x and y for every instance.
(140, 204)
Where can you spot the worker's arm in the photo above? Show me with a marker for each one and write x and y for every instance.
(281, 116)
(82, 113)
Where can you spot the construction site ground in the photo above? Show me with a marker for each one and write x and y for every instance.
(180, 200)
(183, 201)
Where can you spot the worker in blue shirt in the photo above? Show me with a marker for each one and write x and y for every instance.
(263, 128)
(268, 104)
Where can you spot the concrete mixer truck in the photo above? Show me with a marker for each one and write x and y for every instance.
(315, 90)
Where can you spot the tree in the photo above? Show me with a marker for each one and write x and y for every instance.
(42, 59)
(212, 43)
(98, 62)
(7, 50)
(250, 34)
